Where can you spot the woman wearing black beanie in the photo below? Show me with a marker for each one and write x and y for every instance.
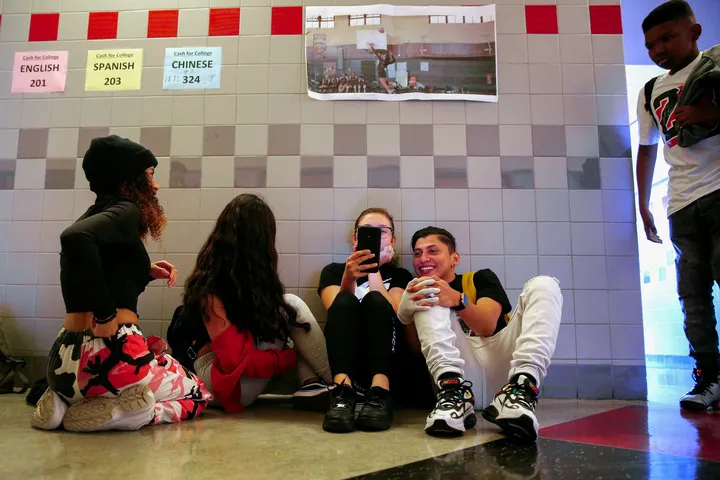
(101, 366)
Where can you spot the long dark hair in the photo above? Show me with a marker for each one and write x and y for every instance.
(238, 264)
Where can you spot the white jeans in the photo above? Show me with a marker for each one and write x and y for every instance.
(310, 345)
(525, 345)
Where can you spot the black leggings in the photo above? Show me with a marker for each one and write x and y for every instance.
(360, 336)
(365, 338)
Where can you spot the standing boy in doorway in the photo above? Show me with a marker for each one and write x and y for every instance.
(682, 107)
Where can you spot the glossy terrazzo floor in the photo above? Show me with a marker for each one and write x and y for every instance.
(580, 439)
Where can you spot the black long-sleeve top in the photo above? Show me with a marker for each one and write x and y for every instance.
(103, 262)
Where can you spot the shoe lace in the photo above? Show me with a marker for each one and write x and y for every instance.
(518, 394)
(702, 382)
(453, 396)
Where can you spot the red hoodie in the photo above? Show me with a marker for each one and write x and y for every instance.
(237, 356)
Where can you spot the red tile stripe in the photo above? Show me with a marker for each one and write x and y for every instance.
(102, 25)
(44, 27)
(541, 19)
(224, 22)
(606, 19)
(287, 21)
(163, 23)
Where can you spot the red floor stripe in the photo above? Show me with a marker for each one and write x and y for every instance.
(655, 429)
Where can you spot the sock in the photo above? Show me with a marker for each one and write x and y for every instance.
(516, 377)
(379, 391)
(447, 375)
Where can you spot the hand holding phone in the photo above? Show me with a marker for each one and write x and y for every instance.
(369, 238)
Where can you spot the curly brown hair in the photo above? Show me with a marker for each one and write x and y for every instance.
(152, 214)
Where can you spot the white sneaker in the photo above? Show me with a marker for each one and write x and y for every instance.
(513, 409)
(455, 409)
(49, 412)
(704, 394)
(131, 410)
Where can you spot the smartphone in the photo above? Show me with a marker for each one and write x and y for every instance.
(369, 239)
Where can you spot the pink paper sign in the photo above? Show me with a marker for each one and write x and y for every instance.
(35, 72)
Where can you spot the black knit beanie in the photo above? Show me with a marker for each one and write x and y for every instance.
(111, 161)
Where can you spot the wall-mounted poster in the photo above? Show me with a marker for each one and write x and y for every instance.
(394, 53)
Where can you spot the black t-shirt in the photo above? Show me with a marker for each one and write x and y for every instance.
(392, 275)
(487, 285)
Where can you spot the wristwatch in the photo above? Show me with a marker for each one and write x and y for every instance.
(463, 303)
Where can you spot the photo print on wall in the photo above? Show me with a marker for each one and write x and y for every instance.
(395, 53)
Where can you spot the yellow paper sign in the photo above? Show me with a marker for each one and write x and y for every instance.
(113, 70)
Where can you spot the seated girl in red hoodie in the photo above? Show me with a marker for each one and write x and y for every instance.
(236, 291)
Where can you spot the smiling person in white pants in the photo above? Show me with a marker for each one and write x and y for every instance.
(479, 344)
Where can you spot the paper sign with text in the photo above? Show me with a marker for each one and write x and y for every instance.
(114, 70)
(37, 72)
(192, 68)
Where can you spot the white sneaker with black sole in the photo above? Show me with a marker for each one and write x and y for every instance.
(49, 412)
(313, 396)
(131, 410)
(454, 411)
(704, 394)
(513, 409)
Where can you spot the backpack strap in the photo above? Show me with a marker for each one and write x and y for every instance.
(649, 86)
(468, 286)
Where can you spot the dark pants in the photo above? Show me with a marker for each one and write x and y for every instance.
(365, 338)
(695, 234)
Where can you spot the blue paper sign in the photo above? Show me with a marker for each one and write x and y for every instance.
(192, 68)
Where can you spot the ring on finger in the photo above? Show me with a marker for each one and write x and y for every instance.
(431, 295)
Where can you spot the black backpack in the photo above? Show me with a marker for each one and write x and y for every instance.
(186, 336)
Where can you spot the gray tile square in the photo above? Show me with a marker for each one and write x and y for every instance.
(157, 140)
(517, 172)
(351, 139)
(595, 382)
(250, 172)
(561, 382)
(451, 172)
(614, 141)
(86, 134)
(583, 173)
(185, 172)
(33, 143)
(548, 141)
(383, 172)
(316, 172)
(629, 382)
(483, 140)
(7, 174)
(284, 139)
(218, 141)
(416, 140)
(60, 173)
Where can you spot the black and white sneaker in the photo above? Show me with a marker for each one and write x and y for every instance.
(704, 394)
(313, 396)
(455, 409)
(340, 418)
(377, 412)
(513, 408)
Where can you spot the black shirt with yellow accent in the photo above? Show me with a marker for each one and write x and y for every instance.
(487, 285)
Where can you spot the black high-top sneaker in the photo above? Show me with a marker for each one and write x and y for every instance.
(455, 409)
(377, 413)
(340, 418)
(513, 408)
(705, 393)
